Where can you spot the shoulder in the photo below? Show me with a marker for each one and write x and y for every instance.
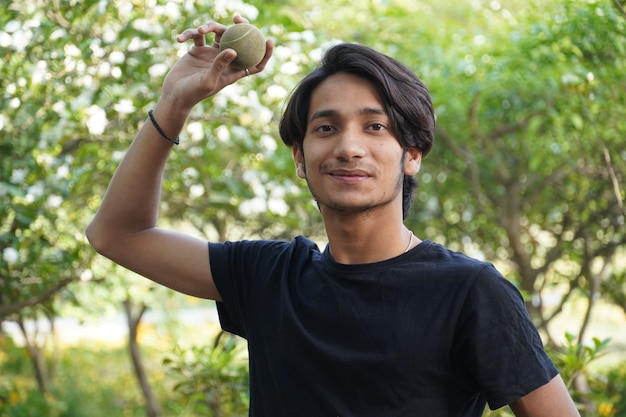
(299, 242)
(437, 252)
(447, 262)
(248, 252)
(479, 280)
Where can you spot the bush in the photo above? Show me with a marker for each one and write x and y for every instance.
(212, 380)
(610, 392)
(90, 381)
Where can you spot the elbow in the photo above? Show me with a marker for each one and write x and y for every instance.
(107, 239)
(97, 238)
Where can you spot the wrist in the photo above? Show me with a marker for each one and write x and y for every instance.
(172, 107)
(156, 125)
(171, 119)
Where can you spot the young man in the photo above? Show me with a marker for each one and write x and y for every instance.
(378, 324)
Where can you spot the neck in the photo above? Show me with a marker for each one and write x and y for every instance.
(364, 240)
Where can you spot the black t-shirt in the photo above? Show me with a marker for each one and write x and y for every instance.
(429, 333)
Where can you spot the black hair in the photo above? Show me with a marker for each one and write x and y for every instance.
(405, 97)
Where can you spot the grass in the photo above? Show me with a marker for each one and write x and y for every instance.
(94, 381)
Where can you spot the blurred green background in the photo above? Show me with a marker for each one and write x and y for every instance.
(527, 172)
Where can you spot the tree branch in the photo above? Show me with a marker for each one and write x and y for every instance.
(37, 299)
(466, 156)
(620, 7)
(614, 180)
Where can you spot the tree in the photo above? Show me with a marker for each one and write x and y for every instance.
(528, 168)
(42, 251)
(535, 141)
(78, 80)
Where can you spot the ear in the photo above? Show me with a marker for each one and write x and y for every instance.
(298, 158)
(412, 161)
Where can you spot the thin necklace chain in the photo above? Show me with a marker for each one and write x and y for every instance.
(410, 242)
(407, 246)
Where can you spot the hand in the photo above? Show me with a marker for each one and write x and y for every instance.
(204, 70)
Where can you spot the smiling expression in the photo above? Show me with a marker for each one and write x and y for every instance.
(351, 158)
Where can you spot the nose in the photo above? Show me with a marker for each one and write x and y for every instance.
(349, 145)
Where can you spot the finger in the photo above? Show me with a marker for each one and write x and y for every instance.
(216, 28)
(269, 50)
(185, 36)
(222, 62)
(198, 35)
(238, 19)
(198, 38)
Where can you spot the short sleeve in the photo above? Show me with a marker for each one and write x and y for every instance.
(231, 317)
(497, 342)
(247, 274)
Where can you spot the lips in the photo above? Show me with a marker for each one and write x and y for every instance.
(349, 175)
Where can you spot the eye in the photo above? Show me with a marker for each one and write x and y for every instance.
(377, 126)
(324, 129)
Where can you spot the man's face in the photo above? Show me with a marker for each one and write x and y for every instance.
(351, 158)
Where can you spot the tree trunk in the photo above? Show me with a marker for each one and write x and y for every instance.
(134, 318)
(37, 357)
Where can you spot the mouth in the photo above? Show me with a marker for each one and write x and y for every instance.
(349, 175)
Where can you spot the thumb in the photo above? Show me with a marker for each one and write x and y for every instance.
(223, 60)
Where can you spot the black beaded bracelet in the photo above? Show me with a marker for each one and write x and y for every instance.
(175, 141)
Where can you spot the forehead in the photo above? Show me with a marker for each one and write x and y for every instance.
(343, 92)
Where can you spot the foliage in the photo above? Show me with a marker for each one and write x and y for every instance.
(573, 361)
(92, 381)
(213, 379)
(611, 393)
(528, 170)
(39, 225)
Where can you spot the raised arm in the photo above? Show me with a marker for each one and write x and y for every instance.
(124, 228)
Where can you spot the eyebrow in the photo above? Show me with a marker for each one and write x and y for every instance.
(334, 113)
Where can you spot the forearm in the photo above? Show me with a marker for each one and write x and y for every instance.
(130, 204)
(124, 228)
